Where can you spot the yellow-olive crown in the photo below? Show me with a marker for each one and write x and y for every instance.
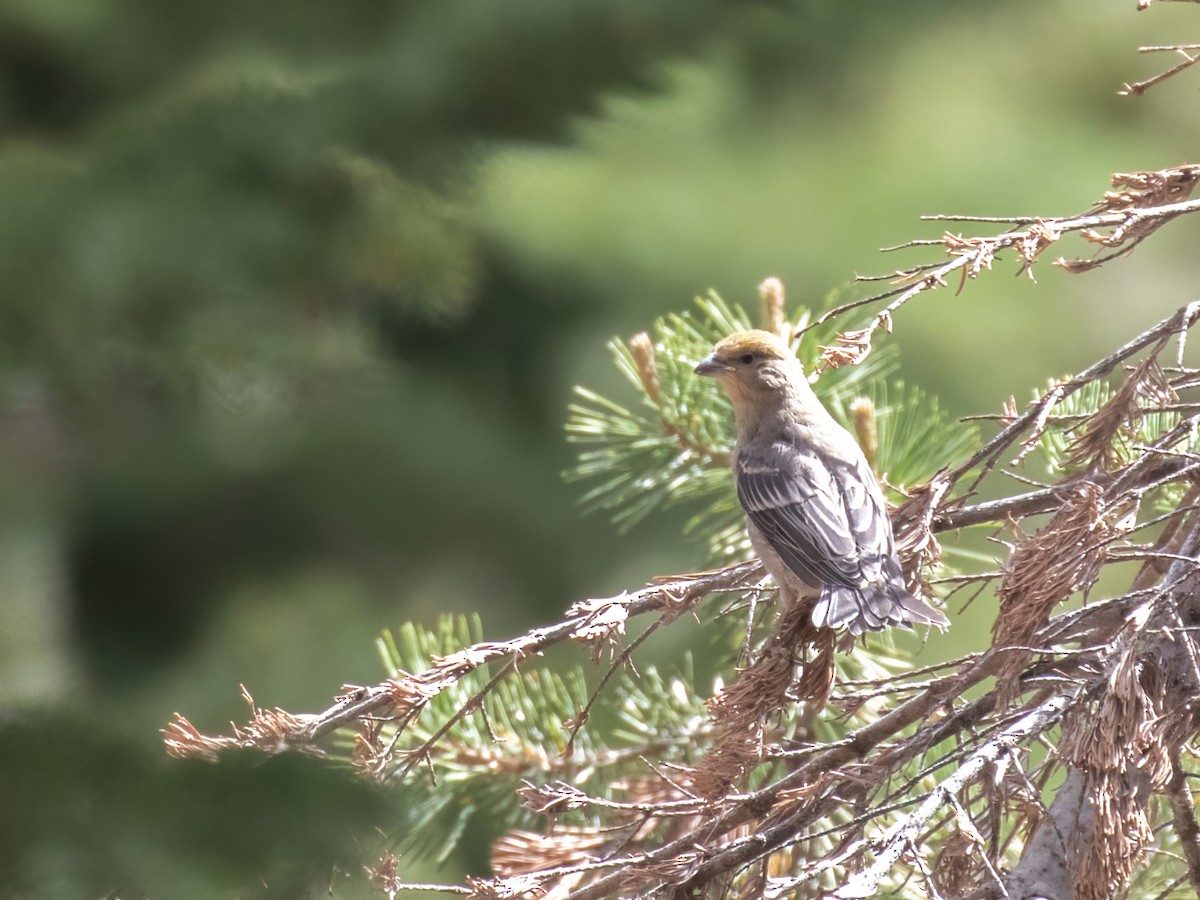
(758, 344)
(745, 352)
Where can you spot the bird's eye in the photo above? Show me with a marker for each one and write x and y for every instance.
(747, 358)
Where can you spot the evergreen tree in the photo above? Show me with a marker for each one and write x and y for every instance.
(253, 325)
(842, 771)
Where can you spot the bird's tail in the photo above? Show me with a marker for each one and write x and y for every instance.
(874, 606)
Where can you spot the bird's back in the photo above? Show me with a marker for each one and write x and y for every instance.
(822, 521)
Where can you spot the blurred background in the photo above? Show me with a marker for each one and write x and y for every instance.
(293, 297)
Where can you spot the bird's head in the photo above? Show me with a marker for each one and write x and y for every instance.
(752, 364)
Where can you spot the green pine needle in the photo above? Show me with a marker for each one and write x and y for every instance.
(670, 444)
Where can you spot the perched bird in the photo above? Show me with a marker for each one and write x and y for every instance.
(816, 514)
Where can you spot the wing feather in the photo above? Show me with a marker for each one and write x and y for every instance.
(823, 519)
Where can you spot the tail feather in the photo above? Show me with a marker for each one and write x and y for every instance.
(873, 607)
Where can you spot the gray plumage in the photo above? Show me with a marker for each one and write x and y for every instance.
(816, 515)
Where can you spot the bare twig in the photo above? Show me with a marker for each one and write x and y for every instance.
(1140, 87)
(901, 836)
(405, 697)
(1125, 218)
(990, 452)
(1183, 810)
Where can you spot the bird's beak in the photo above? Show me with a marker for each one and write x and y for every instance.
(711, 366)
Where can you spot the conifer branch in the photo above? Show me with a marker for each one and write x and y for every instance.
(1139, 204)
(403, 698)
(820, 782)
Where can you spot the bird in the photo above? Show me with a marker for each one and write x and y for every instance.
(815, 512)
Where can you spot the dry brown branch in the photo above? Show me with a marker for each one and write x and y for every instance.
(385, 876)
(909, 830)
(269, 730)
(1183, 812)
(671, 839)
(402, 699)
(1188, 60)
(741, 711)
(797, 799)
(1095, 446)
(1045, 569)
(624, 658)
(1030, 426)
(1120, 220)
(706, 836)
(1118, 748)
(1124, 671)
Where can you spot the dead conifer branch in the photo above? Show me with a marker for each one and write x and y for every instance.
(1183, 811)
(403, 698)
(1138, 205)
(623, 659)
(1189, 59)
(801, 794)
(1047, 568)
(1036, 417)
(931, 775)
(268, 730)
(999, 220)
(741, 710)
(906, 832)
(690, 826)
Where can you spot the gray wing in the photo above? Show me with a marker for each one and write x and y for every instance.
(824, 519)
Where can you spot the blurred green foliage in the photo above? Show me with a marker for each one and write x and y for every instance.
(96, 809)
(292, 299)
